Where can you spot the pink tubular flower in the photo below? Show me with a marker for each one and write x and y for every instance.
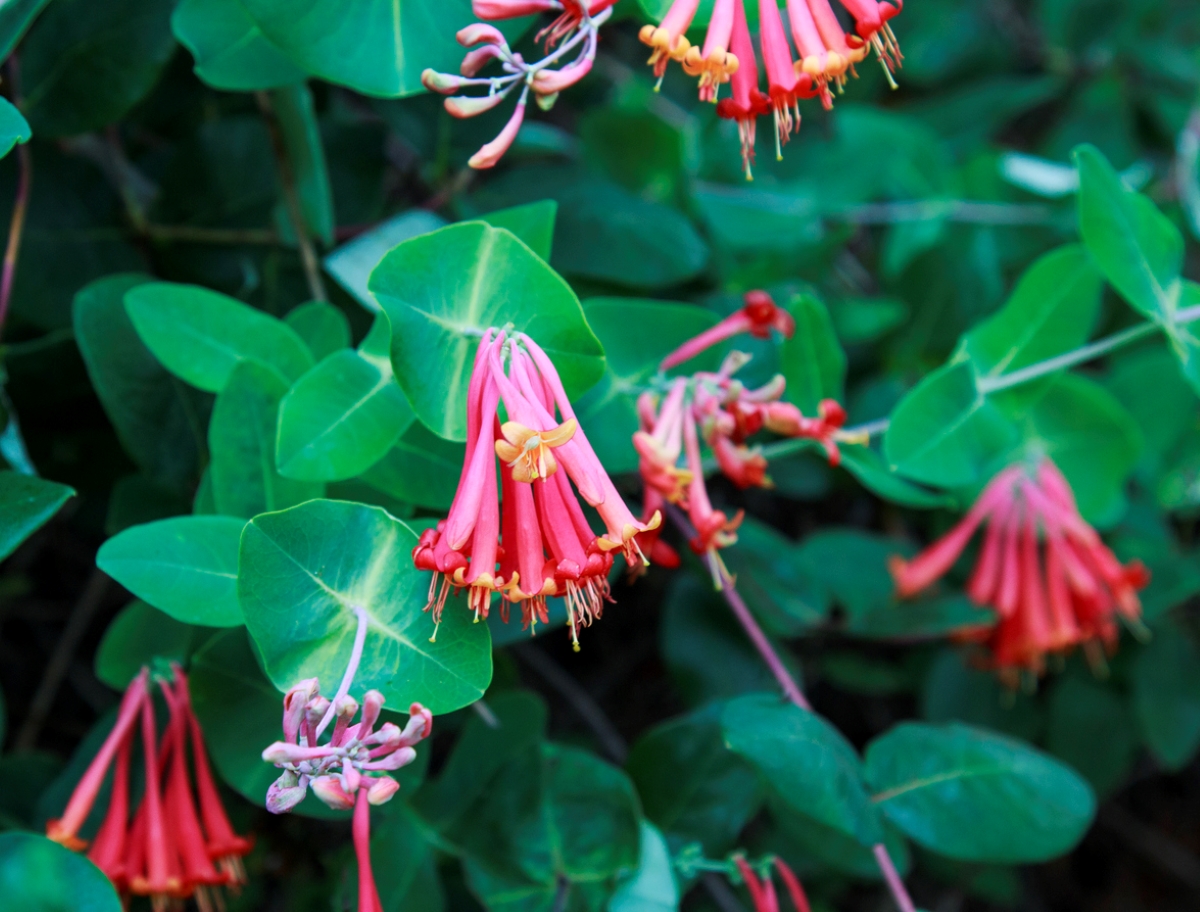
(759, 317)
(576, 28)
(871, 23)
(747, 102)
(714, 529)
(714, 63)
(1051, 580)
(531, 539)
(783, 82)
(667, 40)
(762, 889)
(368, 895)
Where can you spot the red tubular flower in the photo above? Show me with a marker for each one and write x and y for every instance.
(714, 529)
(784, 84)
(108, 850)
(826, 54)
(1051, 580)
(792, 882)
(157, 875)
(747, 102)
(668, 40)
(65, 830)
(759, 316)
(714, 63)
(871, 23)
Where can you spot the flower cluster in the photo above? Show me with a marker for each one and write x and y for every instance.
(825, 53)
(540, 544)
(574, 32)
(1052, 581)
(720, 409)
(179, 843)
(762, 889)
(350, 769)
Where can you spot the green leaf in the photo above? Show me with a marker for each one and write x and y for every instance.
(38, 875)
(533, 223)
(344, 415)
(945, 431)
(441, 290)
(776, 580)
(15, 17)
(939, 782)
(1052, 310)
(302, 573)
(692, 786)
(351, 264)
(26, 504)
(230, 49)
(185, 566)
(323, 327)
(136, 637)
(1137, 248)
(923, 620)
(813, 362)
(807, 763)
(852, 565)
(608, 411)
(13, 127)
(1166, 695)
(862, 320)
(374, 48)
(651, 887)
(954, 691)
(85, 65)
(241, 436)
(421, 469)
(159, 420)
(410, 867)
(293, 106)
(1184, 342)
(1091, 728)
(872, 472)
(201, 335)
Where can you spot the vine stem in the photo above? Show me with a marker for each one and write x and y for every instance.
(287, 178)
(20, 204)
(791, 690)
(360, 638)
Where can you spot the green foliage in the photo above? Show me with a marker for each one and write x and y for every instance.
(26, 504)
(36, 873)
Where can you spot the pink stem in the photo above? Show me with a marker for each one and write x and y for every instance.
(792, 691)
(360, 637)
(20, 206)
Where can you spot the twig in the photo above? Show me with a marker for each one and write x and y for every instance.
(20, 204)
(60, 660)
(356, 651)
(792, 690)
(308, 256)
(485, 713)
(581, 701)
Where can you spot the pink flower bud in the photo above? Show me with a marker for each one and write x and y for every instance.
(382, 790)
(286, 792)
(481, 33)
(372, 705)
(393, 761)
(295, 701)
(442, 83)
(419, 727)
(492, 152)
(511, 9)
(464, 106)
(281, 752)
(331, 793)
(547, 82)
(477, 59)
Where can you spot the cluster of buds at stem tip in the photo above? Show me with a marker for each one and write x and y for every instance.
(719, 409)
(570, 43)
(825, 55)
(762, 888)
(350, 769)
(1053, 583)
(178, 843)
(528, 537)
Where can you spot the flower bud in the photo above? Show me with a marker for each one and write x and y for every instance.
(332, 794)
(286, 792)
(401, 757)
(281, 753)
(481, 33)
(371, 707)
(419, 727)
(442, 83)
(464, 106)
(382, 790)
(295, 701)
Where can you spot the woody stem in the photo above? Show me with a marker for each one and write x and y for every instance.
(792, 691)
(360, 638)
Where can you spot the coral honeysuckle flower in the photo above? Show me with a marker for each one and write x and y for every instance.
(528, 452)
(824, 51)
(762, 889)
(785, 83)
(1051, 580)
(660, 442)
(871, 23)
(759, 316)
(714, 63)
(527, 539)
(714, 529)
(667, 40)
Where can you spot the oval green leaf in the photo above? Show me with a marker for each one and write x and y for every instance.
(185, 566)
(302, 572)
(442, 290)
(230, 50)
(201, 335)
(26, 504)
(39, 875)
(136, 637)
(974, 795)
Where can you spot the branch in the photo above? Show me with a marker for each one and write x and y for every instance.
(287, 178)
(20, 204)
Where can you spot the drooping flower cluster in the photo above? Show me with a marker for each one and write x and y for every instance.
(528, 537)
(762, 889)
(719, 409)
(178, 844)
(570, 43)
(350, 770)
(825, 53)
(1051, 580)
